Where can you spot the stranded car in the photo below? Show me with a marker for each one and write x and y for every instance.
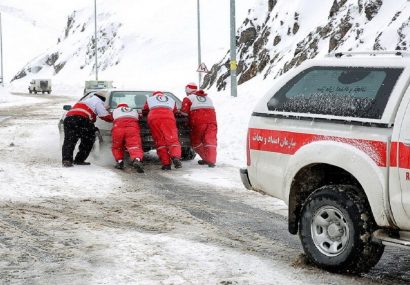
(135, 100)
(332, 140)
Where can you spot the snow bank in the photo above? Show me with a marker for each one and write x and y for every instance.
(7, 99)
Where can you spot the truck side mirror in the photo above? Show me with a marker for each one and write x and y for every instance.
(67, 107)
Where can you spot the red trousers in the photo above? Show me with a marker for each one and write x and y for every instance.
(165, 134)
(203, 140)
(126, 134)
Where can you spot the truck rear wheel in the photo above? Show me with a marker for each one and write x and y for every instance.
(335, 230)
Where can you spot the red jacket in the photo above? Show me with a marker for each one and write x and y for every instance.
(160, 107)
(199, 108)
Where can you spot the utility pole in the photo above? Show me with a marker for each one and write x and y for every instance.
(95, 40)
(199, 44)
(1, 52)
(233, 63)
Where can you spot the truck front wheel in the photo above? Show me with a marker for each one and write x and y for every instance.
(335, 230)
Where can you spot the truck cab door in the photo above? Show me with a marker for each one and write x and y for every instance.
(400, 196)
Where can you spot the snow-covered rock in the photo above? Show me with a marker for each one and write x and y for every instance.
(278, 35)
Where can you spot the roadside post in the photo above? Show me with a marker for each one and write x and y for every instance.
(95, 40)
(1, 53)
(199, 42)
(233, 63)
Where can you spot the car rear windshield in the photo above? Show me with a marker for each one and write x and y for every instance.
(339, 91)
(135, 99)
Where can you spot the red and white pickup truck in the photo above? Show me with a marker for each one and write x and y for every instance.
(332, 140)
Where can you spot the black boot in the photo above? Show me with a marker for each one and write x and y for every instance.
(119, 165)
(67, 163)
(137, 163)
(166, 167)
(177, 162)
(202, 162)
(81, 163)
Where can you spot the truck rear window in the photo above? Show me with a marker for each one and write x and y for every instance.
(339, 91)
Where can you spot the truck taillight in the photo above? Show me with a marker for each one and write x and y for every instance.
(248, 152)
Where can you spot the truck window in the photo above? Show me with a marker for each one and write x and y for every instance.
(339, 91)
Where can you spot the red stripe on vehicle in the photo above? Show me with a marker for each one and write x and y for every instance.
(393, 154)
(403, 156)
(248, 153)
(290, 142)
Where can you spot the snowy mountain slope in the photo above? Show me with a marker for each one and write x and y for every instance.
(140, 43)
(278, 35)
(28, 29)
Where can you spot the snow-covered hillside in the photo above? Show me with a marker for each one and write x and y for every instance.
(29, 28)
(148, 44)
(154, 44)
(278, 35)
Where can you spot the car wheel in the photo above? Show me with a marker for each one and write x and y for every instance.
(188, 153)
(335, 230)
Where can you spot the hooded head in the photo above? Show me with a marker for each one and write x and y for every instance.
(190, 88)
(122, 105)
(157, 93)
(200, 92)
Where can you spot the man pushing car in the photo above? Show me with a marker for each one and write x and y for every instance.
(161, 120)
(79, 125)
(126, 134)
(202, 120)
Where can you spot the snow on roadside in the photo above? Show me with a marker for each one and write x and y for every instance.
(9, 100)
(162, 259)
(227, 178)
(39, 174)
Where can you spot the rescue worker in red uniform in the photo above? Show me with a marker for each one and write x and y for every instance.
(161, 120)
(126, 134)
(202, 120)
(79, 125)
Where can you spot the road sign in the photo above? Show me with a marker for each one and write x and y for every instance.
(202, 68)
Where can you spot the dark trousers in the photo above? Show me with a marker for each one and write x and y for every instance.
(78, 128)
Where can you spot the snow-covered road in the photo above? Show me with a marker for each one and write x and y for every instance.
(97, 225)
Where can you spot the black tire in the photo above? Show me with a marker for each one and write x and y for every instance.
(335, 230)
(188, 153)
